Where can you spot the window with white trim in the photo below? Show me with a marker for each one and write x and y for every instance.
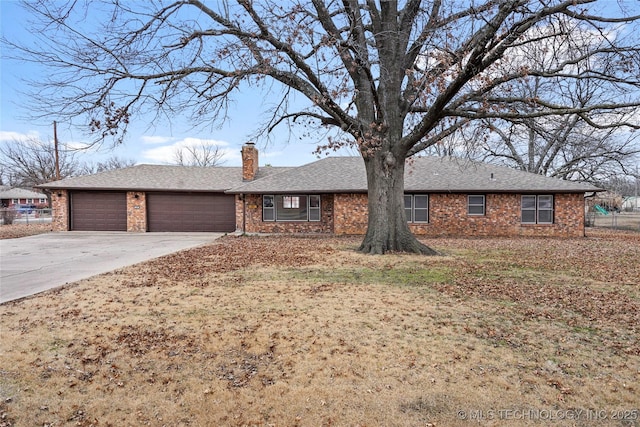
(314, 208)
(291, 202)
(268, 208)
(291, 208)
(476, 204)
(537, 209)
(416, 207)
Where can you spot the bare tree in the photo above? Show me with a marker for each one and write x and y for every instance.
(626, 186)
(564, 147)
(202, 155)
(27, 163)
(111, 163)
(393, 77)
(30, 162)
(588, 145)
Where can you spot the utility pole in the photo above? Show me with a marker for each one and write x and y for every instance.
(637, 178)
(55, 148)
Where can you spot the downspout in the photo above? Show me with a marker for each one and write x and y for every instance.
(69, 218)
(584, 219)
(244, 214)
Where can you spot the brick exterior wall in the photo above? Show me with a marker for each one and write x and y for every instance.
(59, 210)
(136, 211)
(352, 214)
(447, 217)
(253, 223)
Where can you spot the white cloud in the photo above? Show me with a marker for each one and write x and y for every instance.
(195, 142)
(153, 140)
(18, 136)
(165, 154)
(77, 145)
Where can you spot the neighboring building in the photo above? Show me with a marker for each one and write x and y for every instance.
(443, 197)
(17, 197)
(631, 204)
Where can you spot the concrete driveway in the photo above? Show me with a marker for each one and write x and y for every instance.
(37, 263)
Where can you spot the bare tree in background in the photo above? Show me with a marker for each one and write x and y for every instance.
(563, 147)
(393, 78)
(587, 145)
(27, 163)
(111, 163)
(202, 155)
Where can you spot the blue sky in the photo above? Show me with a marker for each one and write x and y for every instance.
(146, 142)
(143, 143)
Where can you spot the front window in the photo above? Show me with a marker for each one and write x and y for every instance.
(291, 202)
(314, 208)
(268, 208)
(416, 207)
(476, 205)
(537, 209)
(291, 208)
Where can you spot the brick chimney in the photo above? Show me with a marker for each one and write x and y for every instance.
(249, 161)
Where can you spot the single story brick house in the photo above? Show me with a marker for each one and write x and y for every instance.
(11, 197)
(443, 197)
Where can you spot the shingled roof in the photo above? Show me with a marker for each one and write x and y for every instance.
(161, 178)
(20, 193)
(328, 175)
(423, 174)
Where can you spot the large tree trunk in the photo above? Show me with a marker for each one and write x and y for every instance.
(388, 229)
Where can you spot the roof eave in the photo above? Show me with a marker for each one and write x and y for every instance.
(297, 191)
(411, 190)
(137, 189)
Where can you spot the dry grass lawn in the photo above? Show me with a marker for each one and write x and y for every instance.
(623, 221)
(15, 231)
(292, 331)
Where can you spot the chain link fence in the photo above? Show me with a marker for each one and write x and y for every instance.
(614, 220)
(10, 216)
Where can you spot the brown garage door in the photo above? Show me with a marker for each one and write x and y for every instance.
(191, 212)
(98, 211)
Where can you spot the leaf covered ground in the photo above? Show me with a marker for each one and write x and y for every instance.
(288, 331)
(15, 231)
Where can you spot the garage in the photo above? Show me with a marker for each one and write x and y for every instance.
(197, 212)
(98, 211)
